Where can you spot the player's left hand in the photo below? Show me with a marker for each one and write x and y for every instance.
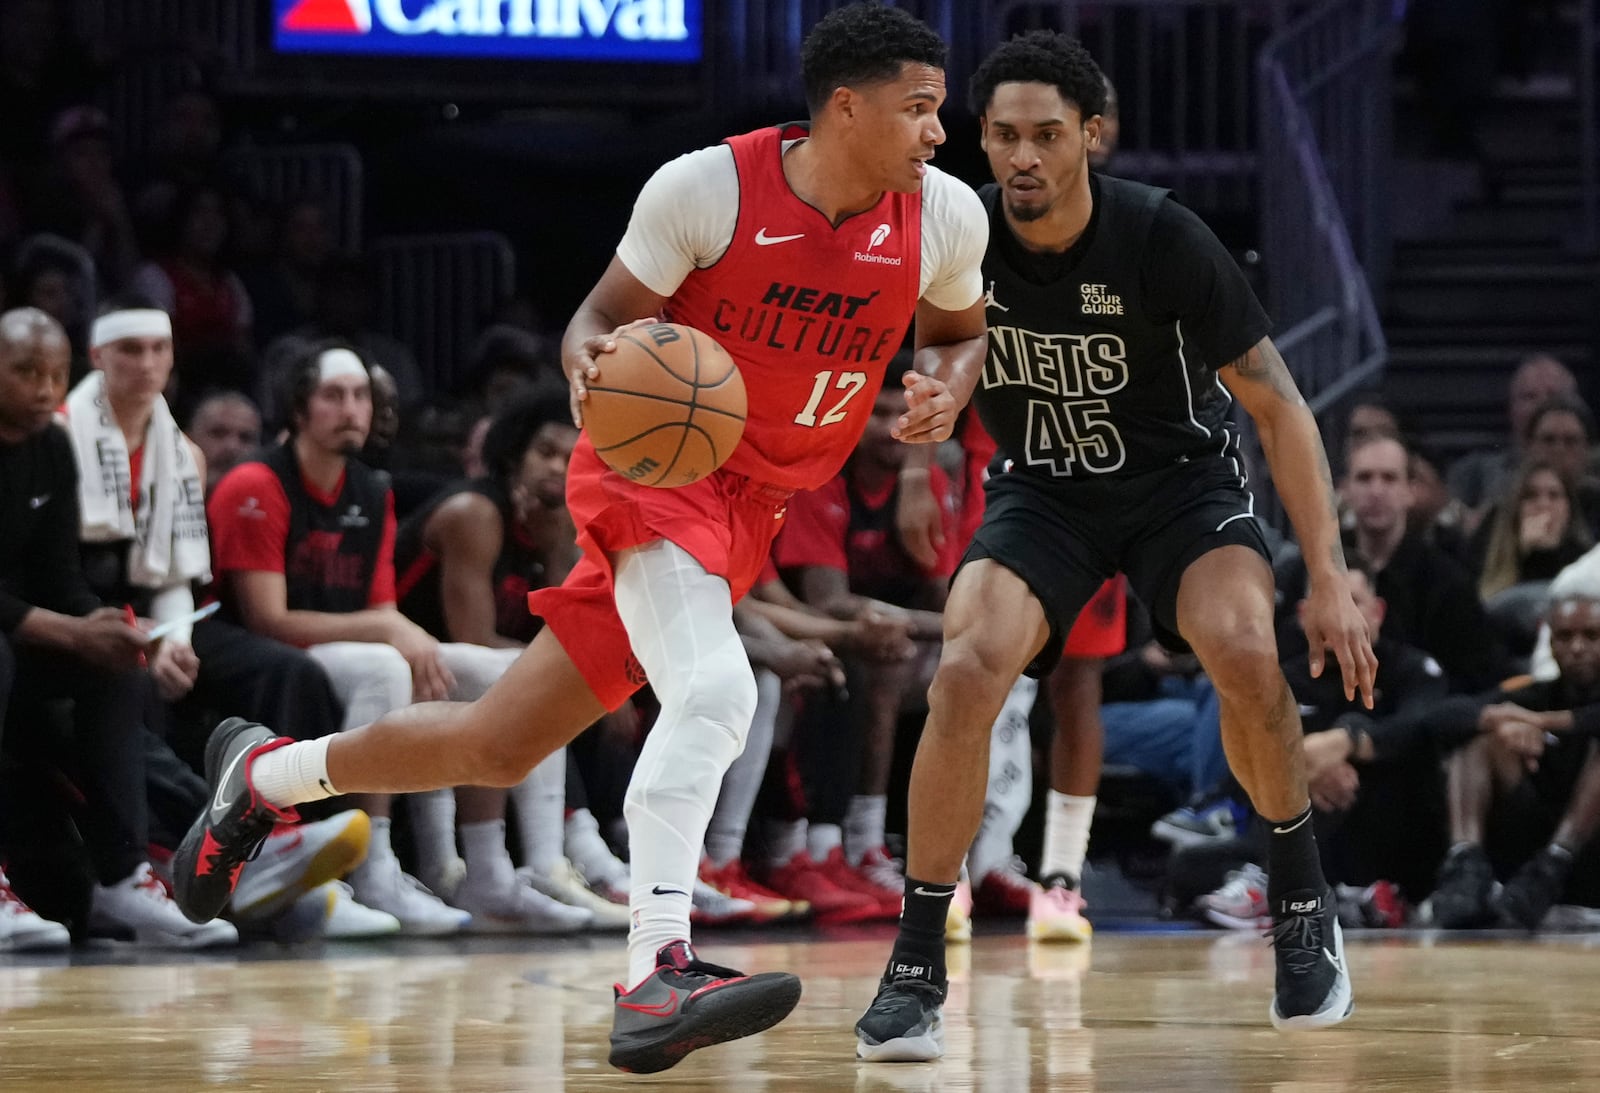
(1333, 621)
(931, 411)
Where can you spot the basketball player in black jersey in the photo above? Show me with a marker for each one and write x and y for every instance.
(1118, 329)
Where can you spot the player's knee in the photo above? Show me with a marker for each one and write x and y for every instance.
(1240, 656)
(969, 679)
(719, 692)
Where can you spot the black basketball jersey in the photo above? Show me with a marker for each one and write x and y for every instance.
(517, 571)
(332, 550)
(1091, 368)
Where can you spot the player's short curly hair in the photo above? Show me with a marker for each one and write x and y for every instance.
(513, 429)
(864, 43)
(1042, 56)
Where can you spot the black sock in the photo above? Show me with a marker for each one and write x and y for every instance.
(919, 947)
(1292, 861)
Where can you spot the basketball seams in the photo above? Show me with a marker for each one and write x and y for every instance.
(621, 453)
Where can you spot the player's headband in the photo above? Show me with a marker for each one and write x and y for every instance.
(136, 322)
(336, 363)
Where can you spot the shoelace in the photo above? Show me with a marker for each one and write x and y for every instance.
(1299, 939)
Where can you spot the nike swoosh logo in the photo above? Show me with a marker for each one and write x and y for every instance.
(218, 805)
(1335, 961)
(660, 891)
(38, 502)
(765, 240)
(921, 891)
(658, 1009)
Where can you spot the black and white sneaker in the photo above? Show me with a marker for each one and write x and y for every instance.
(904, 1022)
(1313, 983)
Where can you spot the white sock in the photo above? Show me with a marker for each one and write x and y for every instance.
(541, 803)
(1066, 834)
(785, 839)
(742, 784)
(294, 773)
(433, 830)
(863, 825)
(1010, 789)
(822, 840)
(484, 846)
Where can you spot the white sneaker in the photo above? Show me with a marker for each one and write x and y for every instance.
(348, 920)
(381, 885)
(587, 850)
(565, 884)
(299, 859)
(449, 879)
(140, 907)
(502, 903)
(1241, 902)
(23, 929)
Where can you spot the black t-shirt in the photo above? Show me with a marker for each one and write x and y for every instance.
(517, 571)
(1102, 359)
(39, 565)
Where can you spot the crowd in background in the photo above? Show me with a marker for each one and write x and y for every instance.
(219, 402)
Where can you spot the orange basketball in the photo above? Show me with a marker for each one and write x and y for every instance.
(668, 407)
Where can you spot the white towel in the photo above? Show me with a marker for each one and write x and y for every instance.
(169, 543)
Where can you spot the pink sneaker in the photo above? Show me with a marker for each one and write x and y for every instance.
(1055, 913)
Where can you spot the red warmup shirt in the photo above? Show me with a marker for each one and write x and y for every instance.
(813, 329)
(842, 528)
(249, 517)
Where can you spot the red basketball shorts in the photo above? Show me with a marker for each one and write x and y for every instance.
(1101, 629)
(725, 521)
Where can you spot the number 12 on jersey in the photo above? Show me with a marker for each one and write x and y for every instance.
(848, 382)
(1063, 433)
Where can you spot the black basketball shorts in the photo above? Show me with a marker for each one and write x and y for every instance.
(1066, 537)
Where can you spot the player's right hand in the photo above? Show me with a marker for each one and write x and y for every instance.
(583, 366)
(103, 637)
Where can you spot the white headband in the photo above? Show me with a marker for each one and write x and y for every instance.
(143, 322)
(335, 363)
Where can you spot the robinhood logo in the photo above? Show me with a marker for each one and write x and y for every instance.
(630, 20)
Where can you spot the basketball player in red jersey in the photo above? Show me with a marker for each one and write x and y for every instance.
(805, 253)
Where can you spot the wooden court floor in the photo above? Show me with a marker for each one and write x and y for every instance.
(1135, 1011)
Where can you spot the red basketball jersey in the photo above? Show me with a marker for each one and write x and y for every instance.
(812, 313)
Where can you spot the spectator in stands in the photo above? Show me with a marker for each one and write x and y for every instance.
(79, 198)
(504, 360)
(57, 276)
(1574, 576)
(1477, 478)
(304, 553)
(61, 644)
(185, 149)
(1534, 532)
(1373, 774)
(191, 280)
(226, 426)
(284, 290)
(1528, 776)
(1561, 432)
(1435, 515)
(467, 561)
(1431, 602)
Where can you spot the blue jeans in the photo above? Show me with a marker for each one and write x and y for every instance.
(1176, 738)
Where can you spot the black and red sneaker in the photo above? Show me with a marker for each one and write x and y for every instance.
(687, 1004)
(234, 824)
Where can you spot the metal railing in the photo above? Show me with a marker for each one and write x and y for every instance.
(330, 173)
(435, 292)
(1325, 104)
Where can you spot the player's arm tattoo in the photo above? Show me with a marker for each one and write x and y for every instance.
(1262, 363)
